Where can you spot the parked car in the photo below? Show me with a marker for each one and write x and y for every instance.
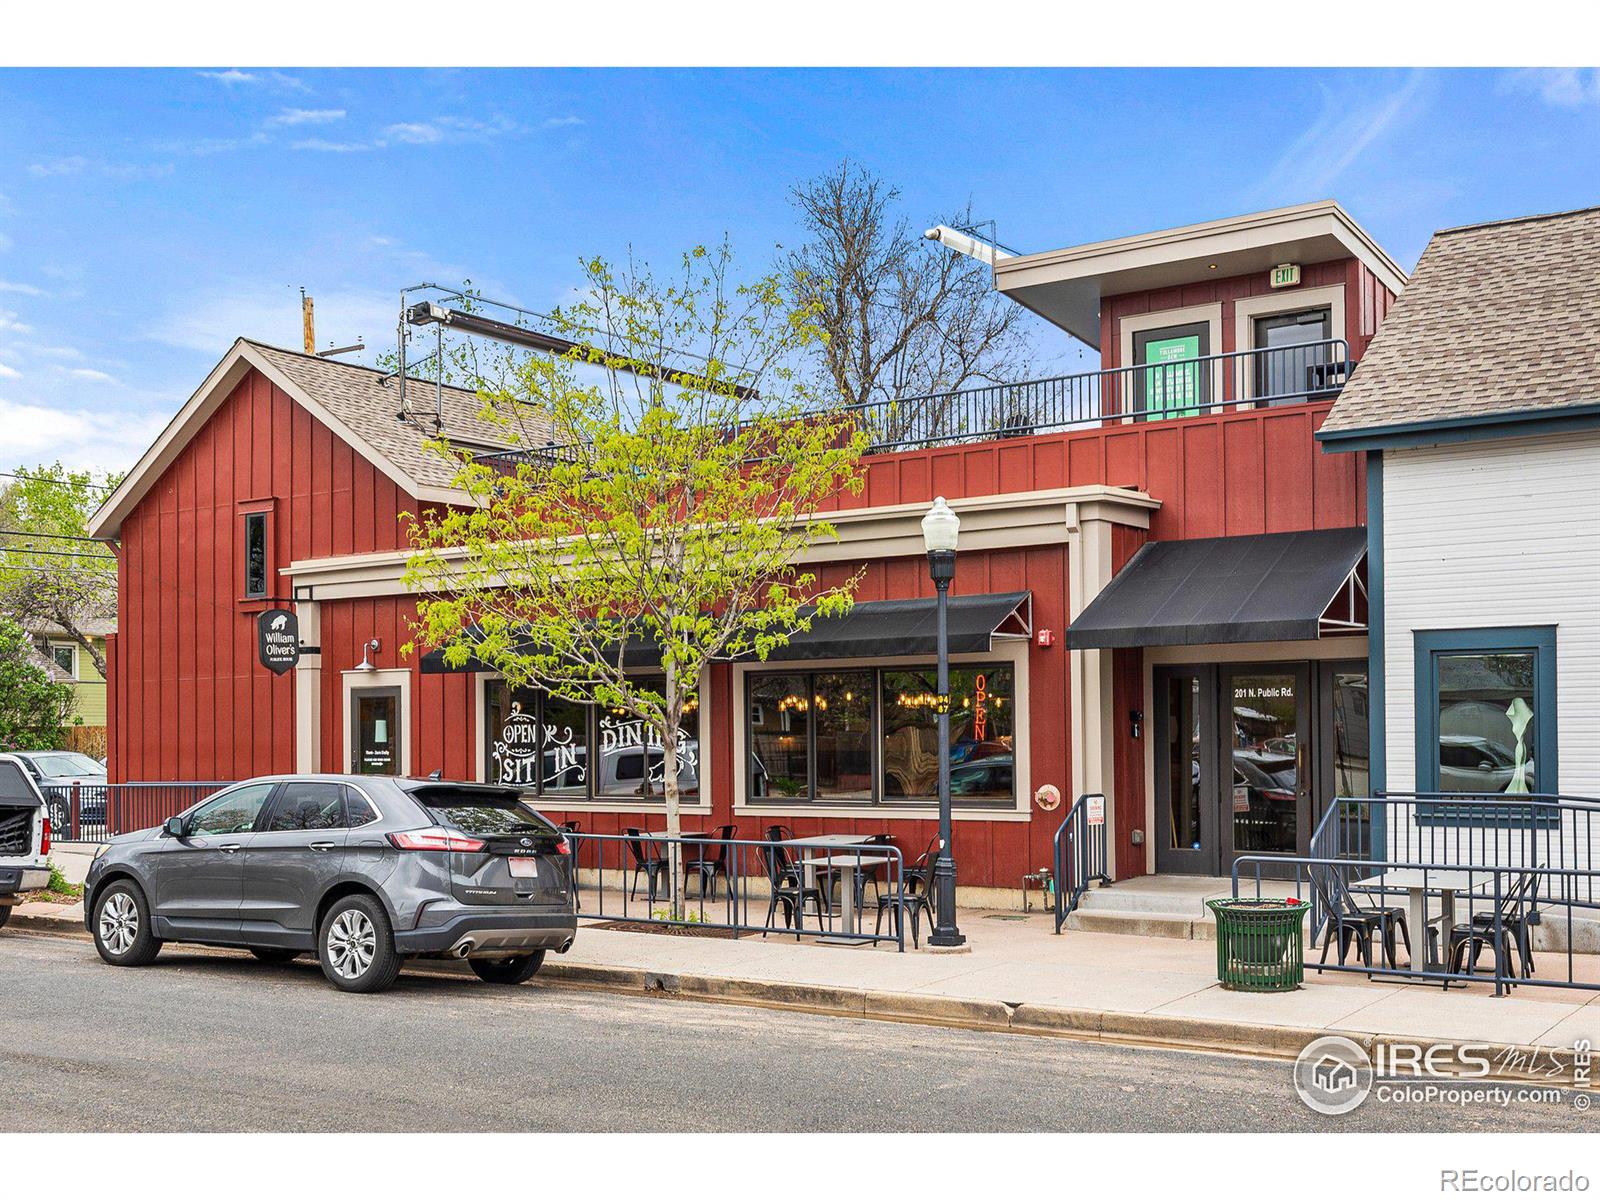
(24, 835)
(55, 771)
(365, 871)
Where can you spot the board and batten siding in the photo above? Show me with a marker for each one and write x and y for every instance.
(1487, 534)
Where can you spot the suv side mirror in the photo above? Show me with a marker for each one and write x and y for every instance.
(173, 827)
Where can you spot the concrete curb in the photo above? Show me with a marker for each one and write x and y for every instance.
(1529, 1064)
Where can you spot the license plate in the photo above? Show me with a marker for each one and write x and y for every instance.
(524, 868)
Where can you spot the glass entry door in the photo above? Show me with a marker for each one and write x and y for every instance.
(1268, 759)
(1237, 761)
(1186, 776)
(375, 732)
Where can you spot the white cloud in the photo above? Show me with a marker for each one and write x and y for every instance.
(330, 147)
(77, 164)
(1561, 87)
(1340, 135)
(414, 134)
(19, 289)
(10, 324)
(70, 353)
(307, 116)
(9, 372)
(562, 122)
(209, 324)
(81, 438)
(89, 375)
(231, 76)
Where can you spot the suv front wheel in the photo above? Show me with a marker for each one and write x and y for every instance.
(356, 946)
(122, 926)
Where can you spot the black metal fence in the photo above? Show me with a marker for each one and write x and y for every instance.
(1159, 391)
(1080, 853)
(1150, 392)
(840, 893)
(1445, 879)
(98, 812)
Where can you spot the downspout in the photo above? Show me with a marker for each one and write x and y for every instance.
(1377, 708)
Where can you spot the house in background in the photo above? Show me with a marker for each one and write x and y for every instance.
(1189, 455)
(67, 662)
(1478, 410)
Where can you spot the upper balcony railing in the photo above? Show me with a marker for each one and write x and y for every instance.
(1163, 391)
(1154, 392)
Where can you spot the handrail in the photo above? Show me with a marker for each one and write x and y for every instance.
(1079, 848)
(1145, 392)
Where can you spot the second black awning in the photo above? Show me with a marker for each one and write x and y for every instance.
(1269, 587)
(871, 629)
(885, 628)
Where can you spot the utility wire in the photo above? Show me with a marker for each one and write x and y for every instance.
(99, 487)
(58, 537)
(57, 553)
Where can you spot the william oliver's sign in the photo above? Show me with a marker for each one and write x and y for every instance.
(278, 639)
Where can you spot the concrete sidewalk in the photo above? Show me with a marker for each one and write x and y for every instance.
(1022, 978)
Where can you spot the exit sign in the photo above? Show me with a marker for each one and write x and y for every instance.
(1286, 275)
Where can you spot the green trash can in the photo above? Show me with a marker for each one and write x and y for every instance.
(1259, 944)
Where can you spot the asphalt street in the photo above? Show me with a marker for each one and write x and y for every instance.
(217, 1041)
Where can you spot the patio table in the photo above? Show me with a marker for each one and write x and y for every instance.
(1417, 883)
(847, 865)
(828, 841)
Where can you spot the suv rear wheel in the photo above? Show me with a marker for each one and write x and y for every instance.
(519, 969)
(356, 946)
(5, 913)
(122, 926)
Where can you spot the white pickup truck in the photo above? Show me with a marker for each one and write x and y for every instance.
(24, 835)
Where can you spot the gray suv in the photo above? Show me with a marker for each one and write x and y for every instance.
(365, 870)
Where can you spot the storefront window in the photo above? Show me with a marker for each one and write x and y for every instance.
(857, 737)
(842, 713)
(544, 744)
(780, 734)
(1487, 722)
(1486, 717)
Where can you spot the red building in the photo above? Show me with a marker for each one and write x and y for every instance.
(282, 481)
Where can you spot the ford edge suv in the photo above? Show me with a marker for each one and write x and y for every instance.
(366, 871)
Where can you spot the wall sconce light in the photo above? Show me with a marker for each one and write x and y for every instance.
(1136, 721)
(371, 646)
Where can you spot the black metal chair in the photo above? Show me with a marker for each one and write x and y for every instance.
(1510, 931)
(1352, 925)
(866, 873)
(696, 862)
(913, 894)
(787, 882)
(647, 861)
(573, 828)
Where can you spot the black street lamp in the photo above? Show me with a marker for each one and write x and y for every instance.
(940, 529)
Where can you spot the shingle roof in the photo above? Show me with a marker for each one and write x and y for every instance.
(361, 399)
(1498, 319)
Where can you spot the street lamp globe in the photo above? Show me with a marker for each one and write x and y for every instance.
(941, 527)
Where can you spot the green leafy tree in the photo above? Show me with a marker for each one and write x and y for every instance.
(47, 574)
(33, 711)
(674, 468)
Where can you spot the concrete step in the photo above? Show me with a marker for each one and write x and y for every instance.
(1181, 925)
(1134, 901)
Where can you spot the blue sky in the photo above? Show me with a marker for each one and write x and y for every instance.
(149, 217)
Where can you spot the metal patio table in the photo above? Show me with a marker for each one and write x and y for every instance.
(828, 841)
(847, 865)
(1417, 883)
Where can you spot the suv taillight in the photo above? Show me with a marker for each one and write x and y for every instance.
(436, 838)
(45, 849)
(563, 847)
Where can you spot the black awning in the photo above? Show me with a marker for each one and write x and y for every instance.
(871, 629)
(884, 628)
(1269, 587)
(638, 653)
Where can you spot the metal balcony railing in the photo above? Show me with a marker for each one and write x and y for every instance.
(1153, 392)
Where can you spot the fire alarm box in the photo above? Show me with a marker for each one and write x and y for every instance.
(1046, 637)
